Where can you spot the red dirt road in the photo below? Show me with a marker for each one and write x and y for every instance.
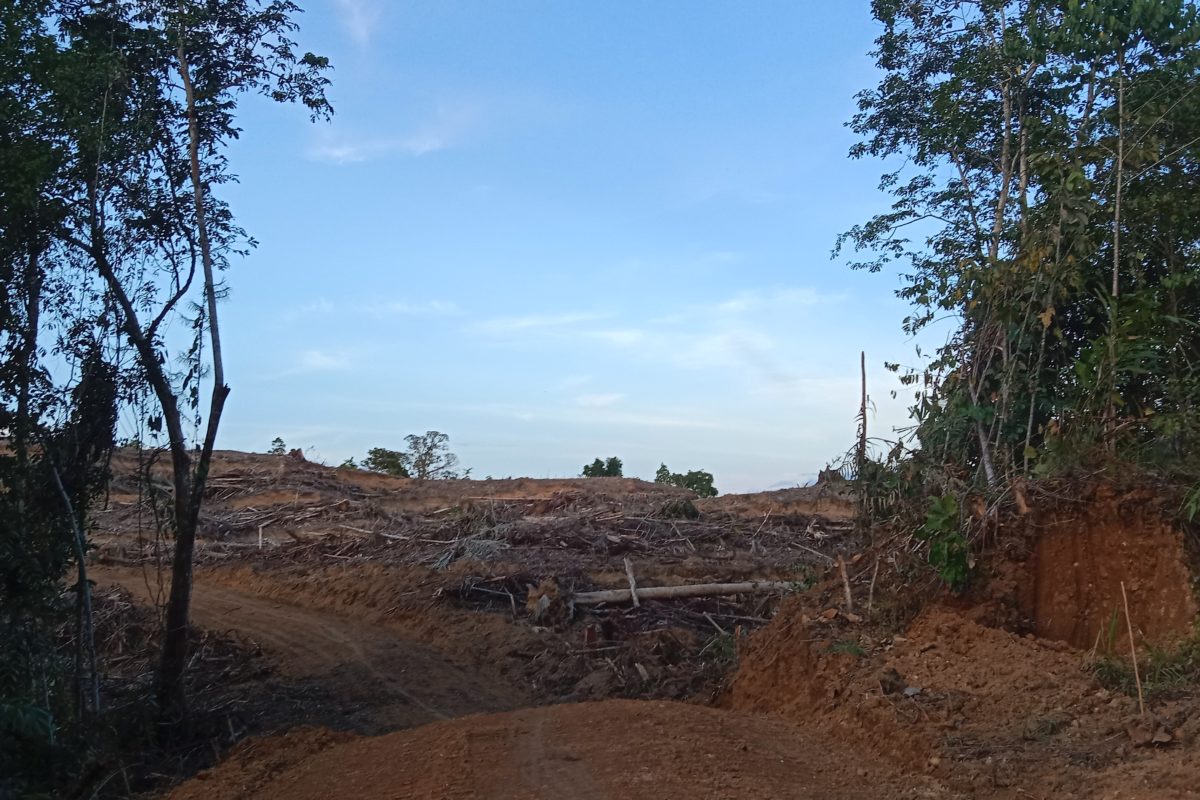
(591, 751)
(382, 680)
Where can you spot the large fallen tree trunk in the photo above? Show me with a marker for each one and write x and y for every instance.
(676, 592)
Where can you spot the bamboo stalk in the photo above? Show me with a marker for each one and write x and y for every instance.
(1137, 678)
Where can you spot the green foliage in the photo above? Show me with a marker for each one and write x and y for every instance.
(847, 647)
(722, 649)
(697, 481)
(1190, 510)
(428, 457)
(1163, 671)
(949, 552)
(278, 448)
(389, 462)
(608, 468)
(1046, 203)
(806, 580)
(349, 463)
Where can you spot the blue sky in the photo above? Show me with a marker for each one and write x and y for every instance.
(563, 230)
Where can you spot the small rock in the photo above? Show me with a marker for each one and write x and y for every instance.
(1140, 732)
(891, 681)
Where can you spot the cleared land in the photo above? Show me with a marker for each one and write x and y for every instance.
(419, 640)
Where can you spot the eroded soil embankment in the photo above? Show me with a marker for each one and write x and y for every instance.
(1009, 713)
(1084, 551)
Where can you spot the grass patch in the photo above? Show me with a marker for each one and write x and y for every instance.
(1165, 671)
(847, 647)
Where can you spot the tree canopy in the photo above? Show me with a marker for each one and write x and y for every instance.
(427, 457)
(1045, 200)
(114, 241)
(603, 468)
(698, 481)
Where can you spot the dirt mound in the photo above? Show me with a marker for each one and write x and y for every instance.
(622, 749)
(830, 501)
(991, 712)
(1083, 551)
(255, 763)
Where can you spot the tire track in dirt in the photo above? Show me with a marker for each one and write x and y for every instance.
(380, 680)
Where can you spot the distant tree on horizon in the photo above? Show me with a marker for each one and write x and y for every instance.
(388, 462)
(428, 457)
(698, 481)
(278, 448)
(609, 468)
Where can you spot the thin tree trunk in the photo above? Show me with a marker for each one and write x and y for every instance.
(862, 416)
(1110, 407)
(83, 595)
(171, 698)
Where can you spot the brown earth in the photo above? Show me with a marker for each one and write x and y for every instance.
(1007, 713)
(382, 681)
(612, 749)
(395, 604)
(1083, 553)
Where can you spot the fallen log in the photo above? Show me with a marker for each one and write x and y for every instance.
(678, 592)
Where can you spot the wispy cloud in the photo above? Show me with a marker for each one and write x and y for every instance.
(755, 333)
(573, 382)
(322, 361)
(450, 123)
(624, 337)
(598, 400)
(360, 19)
(407, 309)
(757, 300)
(402, 308)
(530, 322)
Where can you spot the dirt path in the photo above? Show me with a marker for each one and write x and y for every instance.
(380, 681)
(618, 749)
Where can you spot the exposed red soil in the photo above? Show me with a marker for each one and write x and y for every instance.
(1007, 713)
(382, 679)
(614, 749)
(405, 603)
(992, 713)
(1082, 554)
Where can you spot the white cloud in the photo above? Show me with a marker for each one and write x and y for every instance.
(360, 18)
(451, 122)
(405, 308)
(326, 307)
(322, 361)
(598, 400)
(622, 337)
(756, 300)
(539, 321)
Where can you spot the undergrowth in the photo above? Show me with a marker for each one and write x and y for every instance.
(1164, 671)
